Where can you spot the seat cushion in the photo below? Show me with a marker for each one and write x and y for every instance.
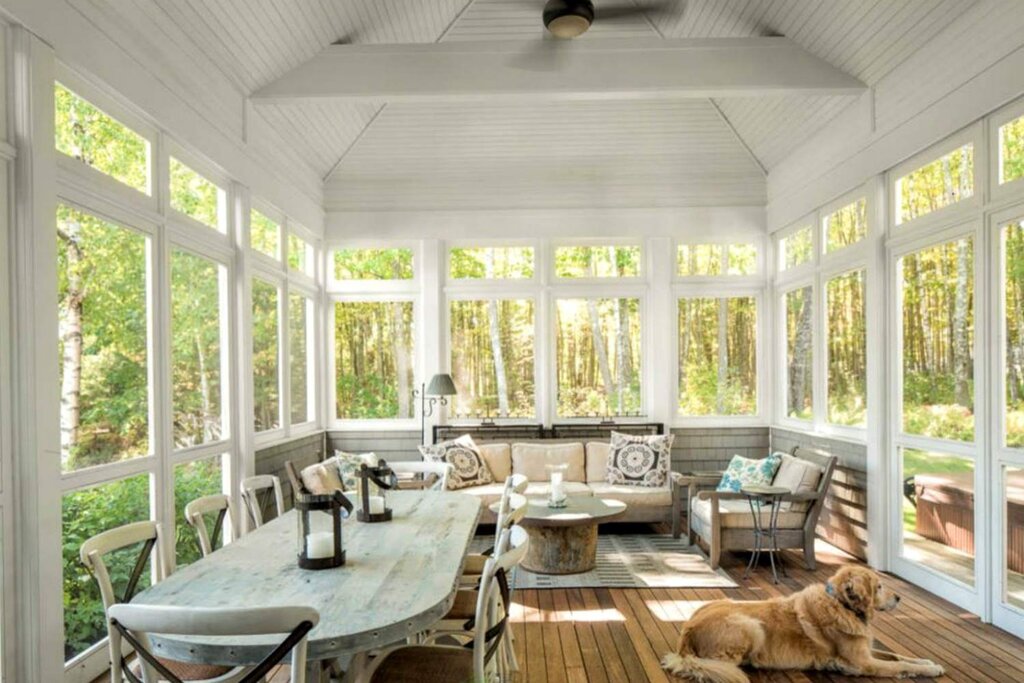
(418, 663)
(799, 476)
(541, 489)
(639, 460)
(498, 457)
(531, 460)
(641, 496)
(468, 466)
(735, 514)
(597, 461)
(749, 472)
(488, 493)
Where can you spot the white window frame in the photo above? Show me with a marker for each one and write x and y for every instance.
(854, 250)
(335, 286)
(208, 172)
(258, 257)
(452, 283)
(556, 244)
(755, 279)
(997, 190)
(277, 280)
(798, 271)
(312, 294)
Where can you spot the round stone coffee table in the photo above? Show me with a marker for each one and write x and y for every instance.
(564, 540)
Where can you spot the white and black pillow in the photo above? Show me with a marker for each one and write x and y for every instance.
(639, 460)
(468, 466)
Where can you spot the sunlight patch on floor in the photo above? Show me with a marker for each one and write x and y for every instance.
(670, 610)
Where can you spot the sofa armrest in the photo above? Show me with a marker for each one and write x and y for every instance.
(720, 495)
(802, 497)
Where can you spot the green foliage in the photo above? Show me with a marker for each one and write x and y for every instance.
(797, 247)
(1013, 245)
(477, 263)
(373, 355)
(940, 183)
(610, 261)
(706, 386)
(265, 361)
(847, 349)
(264, 234)
(85, 133)
(1011, 144)
(300, 257)
(192, 480)
(299, 309)
(799, 353)
(476, 328)
(373, 264)
(86, 513)
(707, 259)
(195, 196)
(847, 225)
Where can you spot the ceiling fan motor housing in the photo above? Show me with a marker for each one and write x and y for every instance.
(568, 18)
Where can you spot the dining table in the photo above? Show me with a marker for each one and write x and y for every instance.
(399, 578)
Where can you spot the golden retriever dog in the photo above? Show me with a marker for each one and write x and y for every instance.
(823, 627)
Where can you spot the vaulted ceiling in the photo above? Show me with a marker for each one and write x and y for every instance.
(639, 152)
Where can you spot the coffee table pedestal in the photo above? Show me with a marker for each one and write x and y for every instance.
(561, 549)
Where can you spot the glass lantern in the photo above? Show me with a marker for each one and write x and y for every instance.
(374, 507)
(319, 538)
(557, 497)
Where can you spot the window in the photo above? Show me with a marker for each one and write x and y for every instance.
(847, 225)
(373, 264)
(301, 255)
(266, 355)
(85, 513)
(197, 197)
(603, 261)
(373, 356)
(300, 337)
(103, 340)
(486, 263)
(492, 357)
(197, 340)
(1013, 486)
(193, 480)
(716, 259)
(264, 235)
(1013, 320)
(796, 248)
(718, 356)
(1011, 151)
(598, 357)
(937, 288)
(936, 185)
(799, 353)
(847, 349)
(87, 134)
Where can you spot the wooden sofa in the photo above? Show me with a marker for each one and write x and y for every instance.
(722, 519)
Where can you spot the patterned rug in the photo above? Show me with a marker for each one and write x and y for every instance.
(631, 561)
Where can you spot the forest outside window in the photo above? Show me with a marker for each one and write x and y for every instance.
(492, 358)
(937, 294)
(490, 263)
(1011, 151)
(86, 133)
(718, 356)
(264, 235)
(847, 349)
(846, 225)
(192, 480)
(301, 255)
(197, 197)
(936, 185)
(266, 365)
(796, 248)
(103, 338)
(799, 328)
(1013, 321)
(606, 261)
(711, 260)
(373, 264)
(373, 360)
(598, 357)
(300, 346)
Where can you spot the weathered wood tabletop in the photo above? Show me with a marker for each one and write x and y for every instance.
(399, 578)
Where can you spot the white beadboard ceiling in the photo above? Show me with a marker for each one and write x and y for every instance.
(600, 153)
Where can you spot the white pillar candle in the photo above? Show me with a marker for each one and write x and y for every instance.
(320, 544)
(376, 505)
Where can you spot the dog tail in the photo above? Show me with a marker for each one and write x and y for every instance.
(700, 670)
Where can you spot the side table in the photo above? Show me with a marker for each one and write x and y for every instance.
(758, 497)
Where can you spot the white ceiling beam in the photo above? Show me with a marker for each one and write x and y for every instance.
(620, 68)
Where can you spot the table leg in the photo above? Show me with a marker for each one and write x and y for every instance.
(755, 555)
(561, 549)
(314, 671)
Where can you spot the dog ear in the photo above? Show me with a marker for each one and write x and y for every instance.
(856, 596)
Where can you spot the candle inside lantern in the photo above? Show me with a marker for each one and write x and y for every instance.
(376, 504)
(557, 485)
(319, 544)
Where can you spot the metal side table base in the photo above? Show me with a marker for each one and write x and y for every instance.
(758, 497)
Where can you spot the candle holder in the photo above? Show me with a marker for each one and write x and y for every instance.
(557, 497)
(321, 549)
(375, 508)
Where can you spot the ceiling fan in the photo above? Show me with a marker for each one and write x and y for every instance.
(567, 19)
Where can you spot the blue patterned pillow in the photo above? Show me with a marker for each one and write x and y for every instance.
(747, 472)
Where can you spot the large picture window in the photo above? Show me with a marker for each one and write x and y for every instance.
(266, 362)
(598, 357)
(847, 349)
(1013, 321)
(300, 346)
(799, 323)
(373, 359)
(718, 356)
(492, 346)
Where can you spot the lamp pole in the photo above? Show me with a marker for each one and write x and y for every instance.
(427, 404)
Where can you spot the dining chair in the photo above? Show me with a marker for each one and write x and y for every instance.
(147, 536)
(252, 488)
(218, 505)
(469, 660)
(131, 624)
(427, 475)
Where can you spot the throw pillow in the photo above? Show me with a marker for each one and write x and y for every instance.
(320, 479)
(639, 460)
(748, 472)
(349, 463)
(799, 476)
(468, 466)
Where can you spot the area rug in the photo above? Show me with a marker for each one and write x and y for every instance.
(631, 561)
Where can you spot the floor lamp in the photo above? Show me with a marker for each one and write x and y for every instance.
(437, 392)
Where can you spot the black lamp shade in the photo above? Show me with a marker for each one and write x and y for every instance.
(441, 385)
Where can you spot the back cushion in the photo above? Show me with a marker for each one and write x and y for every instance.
(530, 460)
(799, 476)
(498, 457)
(597, 461)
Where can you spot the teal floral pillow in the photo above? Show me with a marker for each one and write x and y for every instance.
(747, 472)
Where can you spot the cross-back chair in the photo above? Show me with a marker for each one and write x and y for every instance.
(261, 486)
(218, 505)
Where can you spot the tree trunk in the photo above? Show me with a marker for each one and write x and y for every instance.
(961, 341)
(601, 352)
(204, 393)
(501, 380)
(802, 348)
(71, 336)
(723, 342)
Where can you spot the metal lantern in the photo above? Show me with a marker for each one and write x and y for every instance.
(321, 548)
(374, 508)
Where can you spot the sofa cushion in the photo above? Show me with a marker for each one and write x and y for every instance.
(541, 489)
(747, 472)
(468, 466)
(498, 457)
(799, 476)
(531, 460)
(597, 461)
(639, 460)
(639, 496)
(735, 514)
